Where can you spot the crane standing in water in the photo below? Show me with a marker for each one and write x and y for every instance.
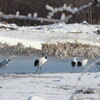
(4, 63)
(39, 62)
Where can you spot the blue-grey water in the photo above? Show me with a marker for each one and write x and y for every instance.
(53, 65)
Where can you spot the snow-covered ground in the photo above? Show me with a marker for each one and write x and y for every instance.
(60, 86)
(35, 36)
(54, 86)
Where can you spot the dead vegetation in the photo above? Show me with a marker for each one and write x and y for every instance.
(5, 27)
(69, 50)
(62, 50)
(86, 91)
(17, 50)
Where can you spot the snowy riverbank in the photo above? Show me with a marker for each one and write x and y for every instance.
(70, 38)
(60, 86)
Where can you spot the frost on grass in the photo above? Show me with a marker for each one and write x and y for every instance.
(62, 50)
(71, 49)
(17, 50)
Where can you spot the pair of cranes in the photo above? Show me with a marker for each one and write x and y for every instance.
(38, 62)
(79, 63)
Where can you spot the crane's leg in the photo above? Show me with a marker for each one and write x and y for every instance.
(4, 68)
(40, 70)
(37, 70)
(98, 66)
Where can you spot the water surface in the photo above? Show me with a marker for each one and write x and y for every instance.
(53, 65)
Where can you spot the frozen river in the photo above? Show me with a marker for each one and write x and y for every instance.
(53, 65)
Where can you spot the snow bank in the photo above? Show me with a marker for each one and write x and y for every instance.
(36, 36)
(25, 42)
(59, 86)
(85, 34)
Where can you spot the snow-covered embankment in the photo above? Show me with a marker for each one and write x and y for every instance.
(58, 39)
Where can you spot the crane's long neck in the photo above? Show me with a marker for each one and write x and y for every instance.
(75, 59)
(45, 57)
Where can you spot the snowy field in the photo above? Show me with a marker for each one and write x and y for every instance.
(49, 86)
(59, 86)
(35, 36)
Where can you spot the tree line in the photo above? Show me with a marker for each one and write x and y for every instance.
(91, 15)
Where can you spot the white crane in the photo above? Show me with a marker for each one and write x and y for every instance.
(98, 65)
(74, 62)
(82, 63)
(39, 62)
(4, 62)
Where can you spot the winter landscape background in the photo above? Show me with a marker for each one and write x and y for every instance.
(62, 30)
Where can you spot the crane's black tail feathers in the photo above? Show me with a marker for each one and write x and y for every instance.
(36, 62)
(79, 64)
(73, 64)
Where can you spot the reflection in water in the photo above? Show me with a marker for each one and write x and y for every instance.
(53, 65)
